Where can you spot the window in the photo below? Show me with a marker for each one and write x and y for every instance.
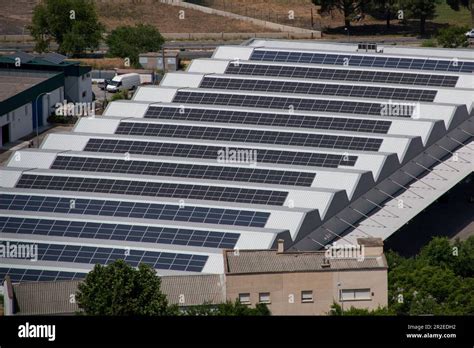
(355, 294)
(84, 94)
(244, 298)
(307, 296)
(264, 297)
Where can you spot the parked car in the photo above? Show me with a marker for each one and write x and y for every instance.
(103, 84)
(470, 34)
(124, 82)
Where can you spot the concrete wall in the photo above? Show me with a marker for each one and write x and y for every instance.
(287, 287)
(75, 86)
(204, 36)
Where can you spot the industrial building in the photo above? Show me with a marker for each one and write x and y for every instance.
(31, 86)
(308, 142)
(288, 283)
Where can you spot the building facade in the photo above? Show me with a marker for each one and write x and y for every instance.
(306, 283)
(32, 86)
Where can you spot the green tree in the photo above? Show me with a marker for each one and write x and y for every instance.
(386, 9)
(228, 308)
(119, 289)
(349, 8)
(336, 310)
(72, 24)
(452, 37)
(438, 281)
(129, 42)
(421, 10)
(457, 4)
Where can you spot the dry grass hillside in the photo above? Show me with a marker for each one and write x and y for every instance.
(16, 14)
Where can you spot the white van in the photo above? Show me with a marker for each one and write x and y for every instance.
(124, 82)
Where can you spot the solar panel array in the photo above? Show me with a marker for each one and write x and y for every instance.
(268, 119)
(109, 231)
(453, 65)
(170, 212)
(152, 189)
(249, 136)
(18, 275)
(104, 256)
(209, 152)
(282, 103)
(316, 73)
(180, 170)
(182, 197)
(311, 88)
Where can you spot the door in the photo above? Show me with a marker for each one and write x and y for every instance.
(5, 134)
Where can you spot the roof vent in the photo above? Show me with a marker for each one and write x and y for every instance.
(281, 246)
(367, 47)
(325, 263)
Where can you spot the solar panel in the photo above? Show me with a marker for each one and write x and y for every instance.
(18, 275)
(453, 65)
(54, 58)
(283, 103)
(316, 73)
(153, 189)
(311, 88)
(23, 56)
(187, 213)
(249, 135)
(110, 231)
(104, 256)
(209, 152)
(106, 165)
(268, 119)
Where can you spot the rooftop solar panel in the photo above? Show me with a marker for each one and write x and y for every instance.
(170, 212)
(19, 275)
(251, 136)
(268, 119)
(153, 189)
(317, 73)
(104, 256)
(109, 231)
(209, 152)
(310, 88)
(54, 57)
(107, 165)
(283, 103)
(453, 65)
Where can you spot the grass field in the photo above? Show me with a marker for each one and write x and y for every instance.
(446, 15)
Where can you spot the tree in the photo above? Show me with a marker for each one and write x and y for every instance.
(386, 9)
(120, 289)
(438, 281)
(453, 37)
(349, 8)
(72, 24)
(422, 10)
(227, 309)
(129, 42)
(457, 4)
(336, 310)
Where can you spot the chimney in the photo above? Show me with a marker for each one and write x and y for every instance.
(281, 246)
(372, 246)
